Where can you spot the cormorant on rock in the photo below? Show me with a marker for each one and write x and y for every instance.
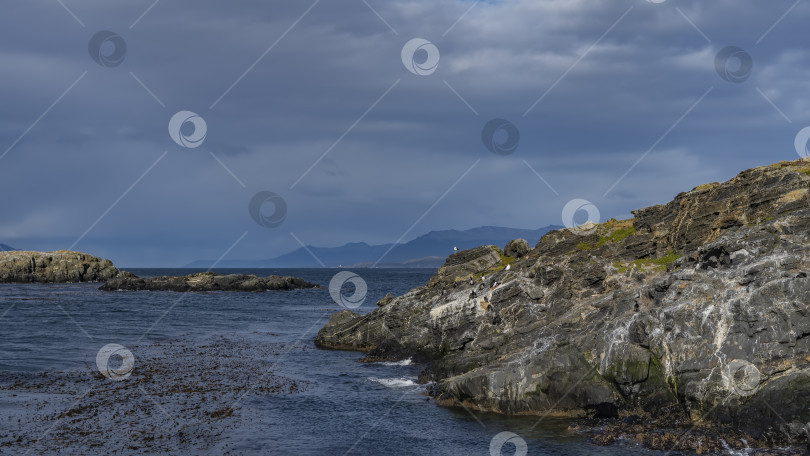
(473, 295)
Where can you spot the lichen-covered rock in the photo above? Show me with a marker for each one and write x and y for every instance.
(54, 267)
(206, 281)
(701, 305)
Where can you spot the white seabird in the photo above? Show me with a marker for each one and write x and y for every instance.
(455, 249)
(508, 267)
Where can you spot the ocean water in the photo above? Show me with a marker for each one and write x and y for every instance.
(347, 407)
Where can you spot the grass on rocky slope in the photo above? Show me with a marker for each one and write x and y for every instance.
(617, 235)
(610, 232)
(505, 260)
(656, 264)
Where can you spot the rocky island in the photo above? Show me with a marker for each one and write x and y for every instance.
(207, 281)
(685, 327)
(74, 267)
(62, 266)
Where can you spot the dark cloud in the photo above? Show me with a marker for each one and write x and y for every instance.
(592, 125)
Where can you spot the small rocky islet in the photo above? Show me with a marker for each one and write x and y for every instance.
(66, 266)
(683, 329)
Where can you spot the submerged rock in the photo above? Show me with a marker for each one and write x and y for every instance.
(183, 397)
(206, 281)
(701, 305)
(55, 267)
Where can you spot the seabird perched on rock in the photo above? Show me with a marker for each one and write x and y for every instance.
(455, 249)
(473, 295)
(508, 267)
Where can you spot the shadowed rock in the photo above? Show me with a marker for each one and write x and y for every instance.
(700, 305)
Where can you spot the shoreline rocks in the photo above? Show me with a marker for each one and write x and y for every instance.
(206, 281)
(700, 306)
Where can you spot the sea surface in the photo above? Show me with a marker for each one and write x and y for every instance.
(347, 407)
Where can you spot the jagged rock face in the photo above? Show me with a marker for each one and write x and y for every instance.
(54, 267)
(703, 302)
(206, 281)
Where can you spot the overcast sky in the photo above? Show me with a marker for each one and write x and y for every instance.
(313, 101)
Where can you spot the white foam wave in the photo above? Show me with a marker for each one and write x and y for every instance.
(394, 382)
(404, 362)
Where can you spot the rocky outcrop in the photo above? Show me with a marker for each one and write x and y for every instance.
(462, 265)
(54, 267)
(701, 305)
(206, 281)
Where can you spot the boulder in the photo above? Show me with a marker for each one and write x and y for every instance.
(517, 248)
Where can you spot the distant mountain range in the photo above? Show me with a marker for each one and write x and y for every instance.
(426, 251)
(6, 248)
